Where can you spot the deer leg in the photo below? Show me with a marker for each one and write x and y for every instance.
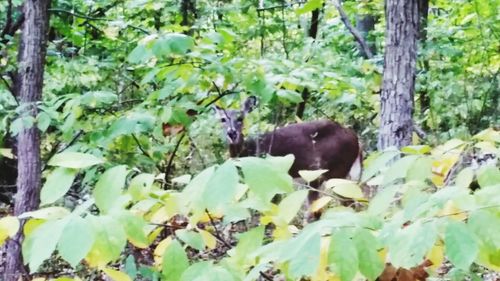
(312, 196)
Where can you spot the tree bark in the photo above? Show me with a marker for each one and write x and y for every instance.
(31, 58)
(398, 86)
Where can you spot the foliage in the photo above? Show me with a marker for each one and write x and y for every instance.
(122, 76)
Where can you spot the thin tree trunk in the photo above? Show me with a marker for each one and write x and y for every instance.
(423, 95)
(365, 24)
(188, 11)
(398, 86)
(313, 33)
(31, 60)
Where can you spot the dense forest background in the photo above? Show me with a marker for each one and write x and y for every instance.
(113, 165)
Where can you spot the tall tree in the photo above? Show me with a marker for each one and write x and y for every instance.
(31, 61)
(398, 86)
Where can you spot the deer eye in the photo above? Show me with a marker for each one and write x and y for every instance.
(223, 120)
(240, 119)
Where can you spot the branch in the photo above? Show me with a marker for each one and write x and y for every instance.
(352, 29)
(217, 233)
(168, 169)
(144, 152)
(79, 15)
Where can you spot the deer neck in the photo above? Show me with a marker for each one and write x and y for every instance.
(235, 150)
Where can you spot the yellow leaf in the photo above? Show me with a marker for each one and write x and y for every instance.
(160, 216)
(31, 225)
(65, 278)
(436, 256)
(489, 134)
(160, 250)
(322, 272)
(282, 232)
(345, 188)
(152, 236)
(310, 175)
(443, 165)
(116, 275)
(452, 211)
(265, 220)
(208, 239)
(320, 203)
(9, 226)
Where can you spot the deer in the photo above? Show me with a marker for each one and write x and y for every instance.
(320, 144)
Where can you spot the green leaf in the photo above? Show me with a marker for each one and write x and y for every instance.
(488, 175)
(193, 239)
(383, 200)
(460, 245)
(173, 43)
(464, 178)
(247, 243)
(132, 123)
(110, 240)
(175, 262)
(342, 255)
(140, 186)
(399, 169)
(139, 54)
(370, 263)
(134, 228)
(306, 261)
(109, 187)
(76, 240)
(221, 188)
(309, 6)
(58, 183)
(290, 205)
(264, 179)
(409, 245)
(420, 170)
(43, 121)
(377, 164)
(197, 271)
(75, 160)
(40, 245)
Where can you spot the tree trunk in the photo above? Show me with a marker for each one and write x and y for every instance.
(398, 86)
(31, 58)
(365, 24)
(188, 11)
(313, 33)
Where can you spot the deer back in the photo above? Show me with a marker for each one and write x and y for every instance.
(316, 145)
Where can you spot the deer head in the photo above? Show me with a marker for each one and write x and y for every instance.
(232, 121)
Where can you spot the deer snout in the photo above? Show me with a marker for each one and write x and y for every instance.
(232, 135)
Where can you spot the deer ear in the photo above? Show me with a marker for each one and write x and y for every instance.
(216, 110)
(249, 104)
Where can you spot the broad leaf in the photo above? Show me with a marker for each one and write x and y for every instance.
(75, 160)
(109, 187)
(76, 240)
(175, 262)
(58, 183)
(342, 255)
(460, 244)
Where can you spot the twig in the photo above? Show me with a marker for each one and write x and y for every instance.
(217, 233)
(352, 29)
(168, 169)
(144, 151)
(265, 276)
